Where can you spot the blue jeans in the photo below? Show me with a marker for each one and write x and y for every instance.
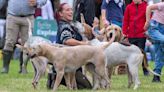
(116, 23)
(156, 33)
(151, 50)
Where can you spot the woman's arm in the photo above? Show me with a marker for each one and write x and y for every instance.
(74, 42)
(149, 10)
(148, 14)
(103, 13)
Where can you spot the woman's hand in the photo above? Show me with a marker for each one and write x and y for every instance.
(105, 22)
(32, 3)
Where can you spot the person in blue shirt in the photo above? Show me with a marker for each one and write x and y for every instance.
(112, 12)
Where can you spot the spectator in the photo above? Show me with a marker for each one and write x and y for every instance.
(70, 36)
(155, 27)
(3, 12)
(47, 11)
(18, 23)
(112, 12)
(133, 23)
(87, 8)
(98, 4)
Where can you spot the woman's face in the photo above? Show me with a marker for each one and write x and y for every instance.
(67, 13)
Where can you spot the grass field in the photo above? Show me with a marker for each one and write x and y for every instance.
(15, 82)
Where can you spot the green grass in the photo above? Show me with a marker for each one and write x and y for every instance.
(15, 82)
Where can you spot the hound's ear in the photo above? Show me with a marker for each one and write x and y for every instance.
(20, 47)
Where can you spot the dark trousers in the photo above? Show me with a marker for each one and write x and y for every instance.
(140, 42)
(82, 81)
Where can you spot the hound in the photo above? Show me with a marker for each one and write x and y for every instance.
(117, 54)
(31, 42)
(67, 60)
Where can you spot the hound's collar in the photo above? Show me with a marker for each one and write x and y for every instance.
(33, 56)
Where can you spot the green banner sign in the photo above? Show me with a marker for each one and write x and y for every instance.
(45, 28)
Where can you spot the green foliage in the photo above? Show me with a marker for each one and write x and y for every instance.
(15, 82)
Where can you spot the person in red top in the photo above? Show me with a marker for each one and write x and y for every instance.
(133, 24)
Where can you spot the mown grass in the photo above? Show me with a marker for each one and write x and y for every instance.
(15, 82)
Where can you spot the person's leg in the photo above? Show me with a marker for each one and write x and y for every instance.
(152, 52)
(158, 62)
(27, 25)
(11, 38)
(2, 33)
(141, 43)
(147, 51)
(2, 27)
(21, 61)
(155, 32)
(82, 81)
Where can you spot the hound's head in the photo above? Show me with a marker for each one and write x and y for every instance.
(88, 31)
(84, 29)
(113, 29)
(31, 51)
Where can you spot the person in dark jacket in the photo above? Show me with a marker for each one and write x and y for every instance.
(133, 23)
(87, 8)
(112, 12)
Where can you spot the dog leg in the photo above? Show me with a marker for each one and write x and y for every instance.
(60, 72)
(95, 77)
(73, 80)
(99, 76)
(67, 80)
(129, 78)
(25, 61)
(39, 65)
(34, 83)
(134, 72)
(110, 72)
(107, 80)
(101, 70)
(96, 81)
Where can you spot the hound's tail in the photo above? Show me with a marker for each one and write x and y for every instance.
(111, 40)
(82, 18)
(145, 62)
